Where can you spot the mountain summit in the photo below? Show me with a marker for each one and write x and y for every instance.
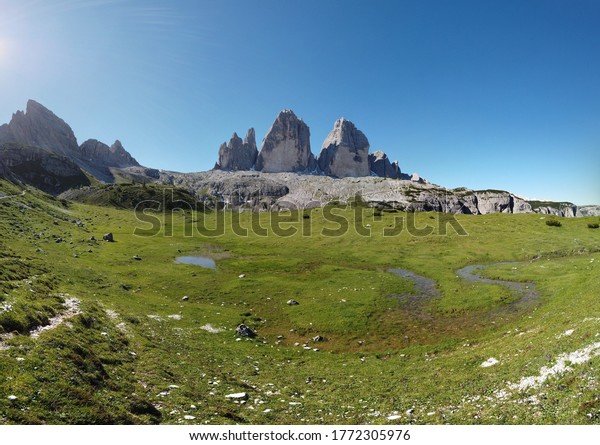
(41, 128)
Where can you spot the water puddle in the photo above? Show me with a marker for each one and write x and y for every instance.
(526, 290)
(201, 261)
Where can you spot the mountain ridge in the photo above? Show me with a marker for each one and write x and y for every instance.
(284, 172)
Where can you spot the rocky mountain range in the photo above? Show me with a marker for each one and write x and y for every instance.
(40, 128)
(40, 149)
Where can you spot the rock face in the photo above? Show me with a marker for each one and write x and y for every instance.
(39, 127)
(286, 147)
(592, 210)
(99, 153)
(566, 210)
(497, 201)
(47, 171)
(380, 164)
(345, 151)
(238, 155)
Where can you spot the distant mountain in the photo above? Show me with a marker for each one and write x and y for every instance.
(39, 127)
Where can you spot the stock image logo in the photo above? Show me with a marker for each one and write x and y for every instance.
(328, 219)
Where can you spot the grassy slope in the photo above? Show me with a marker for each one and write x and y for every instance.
(380, 356)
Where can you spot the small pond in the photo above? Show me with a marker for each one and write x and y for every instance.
(201, 261)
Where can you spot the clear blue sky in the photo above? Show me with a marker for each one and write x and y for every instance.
(484, 94)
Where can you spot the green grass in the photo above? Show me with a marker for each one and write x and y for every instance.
(381, 354)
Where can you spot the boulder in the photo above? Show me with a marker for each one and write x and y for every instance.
(244, 331)
(345, 151)
(286, 147)
(238, 155)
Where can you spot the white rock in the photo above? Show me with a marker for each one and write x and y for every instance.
(393, 417)
(237, 396)
(490, 362)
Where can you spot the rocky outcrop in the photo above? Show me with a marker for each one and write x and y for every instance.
(238, 155)
(276, 191)
(380, 165)
(99, 153)
(39, 127)
(345, 151)
(568, 211)
(592, 210)
(286, 147)
(230, 189)
(47, 171)
(498, 201)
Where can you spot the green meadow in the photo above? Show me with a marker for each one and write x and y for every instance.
(152, 341)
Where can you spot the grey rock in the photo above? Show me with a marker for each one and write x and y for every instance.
(588, 210)
(292, 303)
(238, 155)
(108, 237)
(98, 158)
(497, 201)
(276, 191)
(137, 258)
(39, 127)
(286, 147)
(345, 151)
(380, 164)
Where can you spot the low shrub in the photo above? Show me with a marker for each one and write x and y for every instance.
(593, 226)
(553, 223)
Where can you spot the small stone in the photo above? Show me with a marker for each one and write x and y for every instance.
(243, 275)
(237, 396)
(12, 398)
(185, 298)
(188, 417)
(393, 417)
(318, 339)
(108, 237)
(137, 258)
(292, 303)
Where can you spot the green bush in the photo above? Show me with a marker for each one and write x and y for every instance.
(593, 226)
(553, 223)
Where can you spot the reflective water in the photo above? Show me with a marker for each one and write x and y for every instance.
(201, 261)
